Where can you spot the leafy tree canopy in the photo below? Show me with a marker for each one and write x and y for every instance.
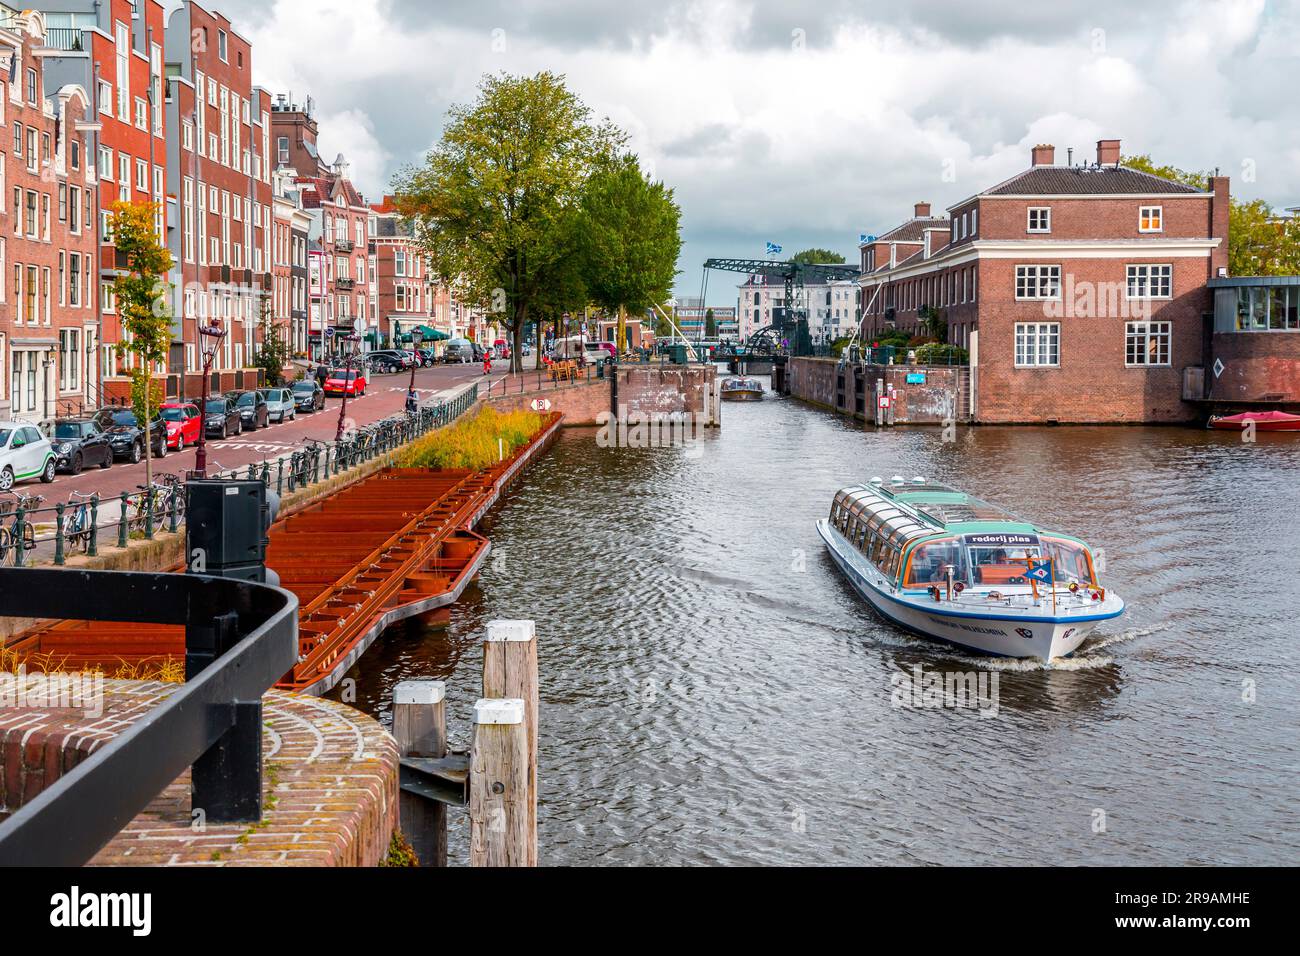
(1260, 242)
(809, 257)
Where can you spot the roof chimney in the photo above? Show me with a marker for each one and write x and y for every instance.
(1044, 154)
(1107, 152)
(922, 210)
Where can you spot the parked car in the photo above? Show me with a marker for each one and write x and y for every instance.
(222, 418)
(461, 350)
(183, 424)
(24, 453)
(252, 409)
(427, 356)
(385, 360)
(280, 405)
(79, 442)
(126, 436)
(345, 382)
(600, 351)
(308, 396)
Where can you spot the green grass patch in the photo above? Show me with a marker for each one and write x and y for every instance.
(474, 443)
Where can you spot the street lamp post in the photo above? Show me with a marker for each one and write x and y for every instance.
(416, 338)
(216, 333)
(352, 341)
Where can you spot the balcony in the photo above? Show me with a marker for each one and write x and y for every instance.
(345, 285)
(64, 38)
(343, 245)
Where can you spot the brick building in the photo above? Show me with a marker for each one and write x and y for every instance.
(1079, 290)
(404, 293)
(291, 225)
(47, 231)
(217, 159)
(113, 49)
(338, 250)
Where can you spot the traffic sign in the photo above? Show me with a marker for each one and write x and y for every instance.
(541, 404)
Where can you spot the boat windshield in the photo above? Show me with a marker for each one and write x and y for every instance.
(980, 565)
(1071, 563)
(930, 561)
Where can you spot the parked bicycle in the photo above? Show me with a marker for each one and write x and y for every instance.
(76, 521)
(21, 534)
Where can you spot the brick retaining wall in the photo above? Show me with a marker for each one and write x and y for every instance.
(329, 778)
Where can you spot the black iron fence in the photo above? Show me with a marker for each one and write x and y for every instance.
(32, 532)
(240, 638)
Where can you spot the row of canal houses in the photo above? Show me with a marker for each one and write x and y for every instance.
(118, 100)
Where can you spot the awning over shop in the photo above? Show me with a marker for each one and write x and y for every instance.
(432, 334)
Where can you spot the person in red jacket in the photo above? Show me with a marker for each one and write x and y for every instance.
(487, 363)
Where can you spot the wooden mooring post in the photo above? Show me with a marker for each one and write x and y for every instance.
(510, 671)
(501, 789)
(420, 728)
(500, 831)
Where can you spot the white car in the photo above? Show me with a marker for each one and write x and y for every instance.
(24, 453)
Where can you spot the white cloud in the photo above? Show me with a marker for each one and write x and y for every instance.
(814, 145)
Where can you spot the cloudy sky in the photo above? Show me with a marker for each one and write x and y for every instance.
(810, 123)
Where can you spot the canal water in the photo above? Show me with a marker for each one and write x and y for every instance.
(713, 692)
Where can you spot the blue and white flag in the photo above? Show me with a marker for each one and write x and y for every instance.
(773, 248)
(1042, 573)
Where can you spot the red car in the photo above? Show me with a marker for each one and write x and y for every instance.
(183, 424)
(351, 382)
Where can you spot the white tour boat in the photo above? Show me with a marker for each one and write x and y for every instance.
(943, 564)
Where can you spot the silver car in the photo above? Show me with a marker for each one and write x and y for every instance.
(280, 406)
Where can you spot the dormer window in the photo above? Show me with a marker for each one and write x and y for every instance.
(1150, 219)
(1040, 219)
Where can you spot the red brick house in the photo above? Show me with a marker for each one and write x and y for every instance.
(47, 233)
(114, 51)
(404, 292)
(218, 160)
(1079, 290)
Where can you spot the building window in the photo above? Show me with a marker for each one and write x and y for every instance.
(1150, 219)
(31, 87)
(1038, 344)
(1038, 282)
(221, 45)
(1150, 282)
(1146, 343)
(1040, 219)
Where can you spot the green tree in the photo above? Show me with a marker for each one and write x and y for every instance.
(273, 354)
(139, 289)
(628, 231)
(1260, 242)
(811, 257)
(494, 201)
(710, 325)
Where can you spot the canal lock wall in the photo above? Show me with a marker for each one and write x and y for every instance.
(642, 393)
(922, 394)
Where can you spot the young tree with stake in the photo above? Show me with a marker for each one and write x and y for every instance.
(139, 289)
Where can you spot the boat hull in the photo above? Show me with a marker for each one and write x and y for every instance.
(742, 395)
(1236, 423)
(1014, 633)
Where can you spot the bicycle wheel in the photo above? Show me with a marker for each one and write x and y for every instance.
(5, 550)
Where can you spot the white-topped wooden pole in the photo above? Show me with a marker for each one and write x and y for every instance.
(500, 831)
(420, 728)
(510, 670)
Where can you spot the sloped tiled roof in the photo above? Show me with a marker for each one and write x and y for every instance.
(1085, 180)
(914, 229)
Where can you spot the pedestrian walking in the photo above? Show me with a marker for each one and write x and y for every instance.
(487, 363)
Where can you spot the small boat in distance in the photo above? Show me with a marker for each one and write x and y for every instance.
(1263, 421)
(742, 389)
(948, 566)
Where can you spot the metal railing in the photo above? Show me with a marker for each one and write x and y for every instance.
(240, 638)
(27, 527)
